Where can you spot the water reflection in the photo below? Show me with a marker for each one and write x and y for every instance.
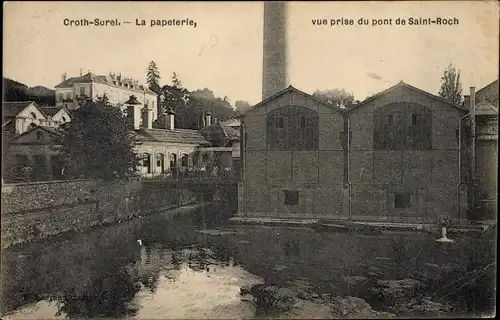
(180, 272)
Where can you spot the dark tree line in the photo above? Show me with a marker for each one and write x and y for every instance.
(16, 91)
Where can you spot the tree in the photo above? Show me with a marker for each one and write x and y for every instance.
(242, 106)
(153, 77)
(176, 82)
(338, 97)
(451, 88)
(98, 142)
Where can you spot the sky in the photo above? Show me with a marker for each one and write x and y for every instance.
(224, 51)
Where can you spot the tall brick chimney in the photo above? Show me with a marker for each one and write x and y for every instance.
(275, 72)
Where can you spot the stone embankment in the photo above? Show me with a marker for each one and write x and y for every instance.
(32, 211)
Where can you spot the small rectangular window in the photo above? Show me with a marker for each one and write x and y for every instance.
(279, 122)
(413, 119)
(389, 120)
(401, 200)
(291, 197)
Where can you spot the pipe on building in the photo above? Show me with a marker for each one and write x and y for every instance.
(459, 163)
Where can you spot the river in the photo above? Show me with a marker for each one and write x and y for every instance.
(193, 264)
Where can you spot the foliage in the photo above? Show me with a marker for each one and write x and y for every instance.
(16, 91)
(153, 77)
(337, 97)
(451, 88)
(189, 107)
(98, 142)
(242, 106)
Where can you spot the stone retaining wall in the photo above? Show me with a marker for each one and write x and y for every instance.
(44, 209)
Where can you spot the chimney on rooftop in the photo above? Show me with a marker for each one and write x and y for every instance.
(147, 117)
(169, 119)
(208, 119)
(63, 77)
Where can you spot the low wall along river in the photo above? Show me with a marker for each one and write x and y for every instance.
(42, 209)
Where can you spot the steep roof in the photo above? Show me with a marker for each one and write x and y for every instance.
(487, 96)
(13, 108)
(220, 132)
(183, 136)
(93, 78)
(403, 84)
(51, 111)
(50, 130)
(293, 89)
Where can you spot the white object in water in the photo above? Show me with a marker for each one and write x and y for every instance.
(139, 241)
(443, 236)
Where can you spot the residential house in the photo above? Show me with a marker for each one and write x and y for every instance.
(167, 148)
(116, 88)
(33, 155)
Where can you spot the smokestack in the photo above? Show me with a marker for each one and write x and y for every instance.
(275, 73)
(208, 119)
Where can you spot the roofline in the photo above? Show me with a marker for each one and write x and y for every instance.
(145, 90)
(486, 86)
(411, 87)
(292, 88)
(29, 130)
(29, 103)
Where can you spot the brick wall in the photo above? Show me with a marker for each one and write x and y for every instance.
(43, 209)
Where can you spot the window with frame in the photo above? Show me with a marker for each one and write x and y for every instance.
(401, 200)
(291, 197)
(82, 91)
(293, 128)
(39, 135)
(61, 97)
(279, 123)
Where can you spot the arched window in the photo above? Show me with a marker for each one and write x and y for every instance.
(402, 126)
(184, 160)
(63, 119)
(293, 128)
(173, 160)
(146, 161)
(160, 160)
(33, 115)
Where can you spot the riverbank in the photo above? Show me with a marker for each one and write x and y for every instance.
(37, 210)
(172, 210)
(322, 225)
